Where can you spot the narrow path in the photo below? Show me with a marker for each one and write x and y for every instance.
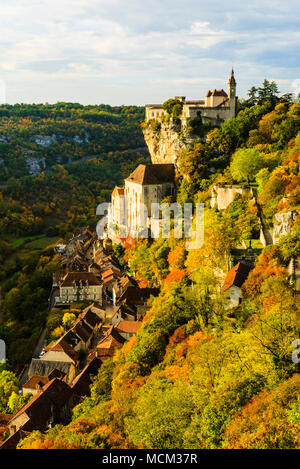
(264, 225)
(40, 344)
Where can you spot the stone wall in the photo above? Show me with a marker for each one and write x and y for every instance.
(221, 197)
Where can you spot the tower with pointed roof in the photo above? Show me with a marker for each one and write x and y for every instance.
(232, 94)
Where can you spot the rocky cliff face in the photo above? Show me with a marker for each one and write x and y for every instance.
(164, 145)
(283, 224)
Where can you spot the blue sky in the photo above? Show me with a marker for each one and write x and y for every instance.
(144, 51)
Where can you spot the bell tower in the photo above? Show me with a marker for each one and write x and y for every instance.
(232, 94)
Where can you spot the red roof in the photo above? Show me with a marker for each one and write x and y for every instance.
(62, 346)
(110, 272)
(111, 340)
(148, 174)
(236, 276)
(219, 93)
(136, 295)
(130, 327)
(56, 390)
(118, 190)
(36, 380)
(75, 277)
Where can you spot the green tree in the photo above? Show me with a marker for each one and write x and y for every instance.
(160, 407)
(252, 93)
(17, 401)
(268, 92)
(246, 163)
(8, 385)
(173, 107)
(68, 320)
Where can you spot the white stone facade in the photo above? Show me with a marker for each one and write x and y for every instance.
(132, 208)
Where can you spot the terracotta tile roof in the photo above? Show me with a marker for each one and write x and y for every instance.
(91, 318)
(136, 295)
(130, 327)
(219, 93)
(75, 277)
(118, 190)
(109, 272)
(111, 340)
(147, 174)
(82, 330)
(55, 392)
(82, 382)
(107, 347)
(39, 381)
(125, 281)
(124, 311)
(35, 381)
(236, 276)
(63, 346)
(109, 279)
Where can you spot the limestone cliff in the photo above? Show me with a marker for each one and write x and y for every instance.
(283, 224)
(164, 144)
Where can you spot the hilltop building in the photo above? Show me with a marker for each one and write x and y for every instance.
(217, 106)
(130, 211)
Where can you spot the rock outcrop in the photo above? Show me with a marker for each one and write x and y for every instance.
(165, 144)
(283, 224)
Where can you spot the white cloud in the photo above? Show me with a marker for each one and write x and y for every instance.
(115, 43)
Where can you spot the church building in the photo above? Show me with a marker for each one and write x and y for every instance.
(149, 183)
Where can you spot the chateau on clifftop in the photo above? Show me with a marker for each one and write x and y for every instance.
(217, 106)
(131, 204)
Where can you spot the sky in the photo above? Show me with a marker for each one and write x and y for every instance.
(144, 51)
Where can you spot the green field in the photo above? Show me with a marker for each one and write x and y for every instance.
(34, 242)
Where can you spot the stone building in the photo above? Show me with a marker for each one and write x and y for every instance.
(221, 197)
(117, 198)
(147, 184)
(107, 346)
(78, 286)
(128, 329)
(233, 283)
(217, 107)
(51, 405)
(36, 382)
